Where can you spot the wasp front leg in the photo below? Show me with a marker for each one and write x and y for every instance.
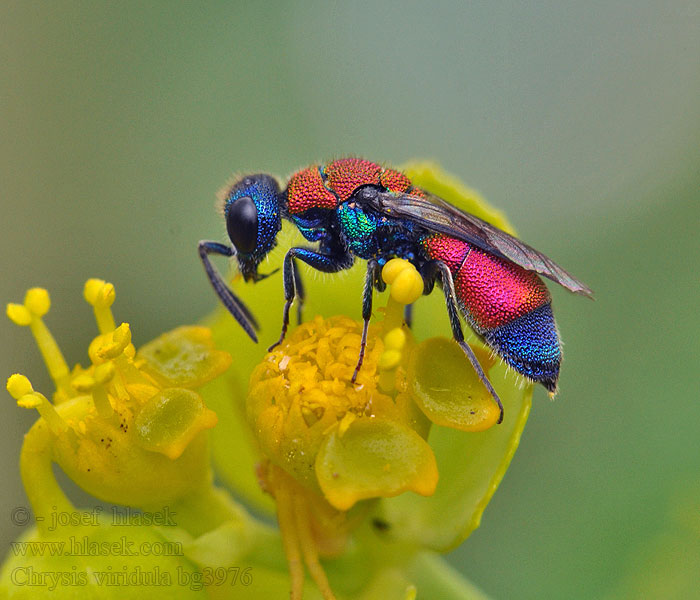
(408, 315)
(430, 271)
(298, 290)
(326, 263)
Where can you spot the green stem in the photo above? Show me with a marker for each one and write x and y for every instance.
(201, 511)
(204, 511)
(266, 549)
(43, 491)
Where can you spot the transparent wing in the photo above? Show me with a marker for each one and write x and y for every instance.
(435, 214)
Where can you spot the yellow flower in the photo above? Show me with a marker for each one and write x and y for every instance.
(367, 477)
(347, 440)
(128, 428)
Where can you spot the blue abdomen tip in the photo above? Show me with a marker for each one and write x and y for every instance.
(530, 344)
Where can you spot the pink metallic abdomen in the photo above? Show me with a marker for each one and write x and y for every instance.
(491, 290)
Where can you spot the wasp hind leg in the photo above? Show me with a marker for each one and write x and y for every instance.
(430, 271)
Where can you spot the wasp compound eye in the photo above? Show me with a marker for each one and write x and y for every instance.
(242, 224)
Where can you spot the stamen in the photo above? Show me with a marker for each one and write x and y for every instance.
(21, 389)
(18, 314)
(36, 304)
(121, 338)
(101, 295)
(290, 535)
(394, 344)
(96, 386)
(405, 287)
(406, 284)
(309, 548)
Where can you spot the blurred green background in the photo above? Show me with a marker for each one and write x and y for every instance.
(118, 122)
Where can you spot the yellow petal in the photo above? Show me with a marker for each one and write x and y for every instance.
(447, 389)
(169, 421)
(184, 357)
(374, 458)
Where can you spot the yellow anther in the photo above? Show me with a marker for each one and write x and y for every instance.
(37, 301)
(406, 284)
(18, 385)
(18, 314)
(92, 289)
(395, 339)
(100, 295)
(36, 305)
(389, 359)
(122, 335)
(29, 401)
(106, 296)
(121, 338)
(407, 287)
(98, 292)
(392, 268)
(21, 389)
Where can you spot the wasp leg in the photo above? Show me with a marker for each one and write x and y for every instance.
(299, 287)
(429, 271)
(372, 279)
(234, 305)
(327, 263)
(408, 315)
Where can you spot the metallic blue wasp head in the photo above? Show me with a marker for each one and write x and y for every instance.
(252, 213)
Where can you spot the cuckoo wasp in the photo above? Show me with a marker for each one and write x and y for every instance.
(354, 208)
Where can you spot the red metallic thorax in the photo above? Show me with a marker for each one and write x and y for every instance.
(492, 291)
(306, 190)
(328, 186)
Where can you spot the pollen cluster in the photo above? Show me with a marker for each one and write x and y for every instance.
(303, 389)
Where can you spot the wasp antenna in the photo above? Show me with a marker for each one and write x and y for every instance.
(233, 304)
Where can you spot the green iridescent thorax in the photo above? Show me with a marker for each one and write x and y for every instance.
(358, 228)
